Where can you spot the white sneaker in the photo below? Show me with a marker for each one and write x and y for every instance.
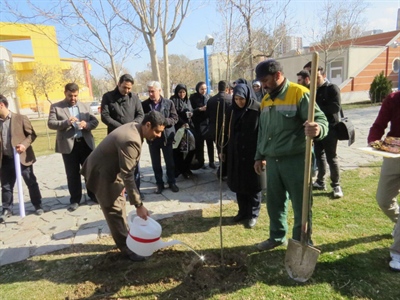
(337, 192)
(395, 262)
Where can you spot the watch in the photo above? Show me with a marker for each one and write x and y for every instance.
(139, 205)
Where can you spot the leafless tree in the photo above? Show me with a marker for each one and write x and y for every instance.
(153, 16)
(8, 83)
(88, 29)
(253, 28)
(337, 21)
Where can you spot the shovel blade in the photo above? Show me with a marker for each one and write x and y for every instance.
(300, 260)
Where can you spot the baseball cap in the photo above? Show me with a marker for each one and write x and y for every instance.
(268, 67)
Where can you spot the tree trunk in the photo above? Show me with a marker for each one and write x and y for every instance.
(155, 69)
(37, 103)
(167, 87)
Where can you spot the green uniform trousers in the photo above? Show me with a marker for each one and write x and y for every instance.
(285, 176)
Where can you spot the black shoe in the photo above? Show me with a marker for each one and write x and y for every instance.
(135, 257)
(6, 213)
(187, 174)
(173, 187)
(142, 196)
(238, 218)
(159, 189)
(73, 207)
(212, 165)
(39, 210)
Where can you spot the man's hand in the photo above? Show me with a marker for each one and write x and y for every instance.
(142, 212)
(311, 129)
(72, 120)
(259, 166)
(83, 124)
(20, 148)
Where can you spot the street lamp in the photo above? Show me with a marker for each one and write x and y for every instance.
(208, 41)
(394, 45)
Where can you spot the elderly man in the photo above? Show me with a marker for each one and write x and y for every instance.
(74, 123)
(167, 108)
(16, 132)
(111, 167)
(281, 148)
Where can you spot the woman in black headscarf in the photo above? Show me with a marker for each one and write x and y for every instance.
(241, 149)
(200, 121)
(184, 109)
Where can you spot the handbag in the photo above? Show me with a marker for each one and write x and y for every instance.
(345, 130)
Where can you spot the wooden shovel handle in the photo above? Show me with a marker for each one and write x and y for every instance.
(308, 154)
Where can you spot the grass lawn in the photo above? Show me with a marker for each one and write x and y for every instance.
(46, 138)
(352, 233)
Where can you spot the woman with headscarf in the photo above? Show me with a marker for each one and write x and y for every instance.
(241, 148)
(185, 111)
(200, 121)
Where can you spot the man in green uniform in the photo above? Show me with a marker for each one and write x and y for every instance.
(281, 148)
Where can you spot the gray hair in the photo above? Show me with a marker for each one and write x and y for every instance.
(154, 84)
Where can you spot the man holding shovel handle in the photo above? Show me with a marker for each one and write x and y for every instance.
(281, 148)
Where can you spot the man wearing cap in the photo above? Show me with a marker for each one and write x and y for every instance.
(281, 148)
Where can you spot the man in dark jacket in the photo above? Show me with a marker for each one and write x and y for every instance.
(121, 106)
(216, 108)
(167, 108)
(328, 99)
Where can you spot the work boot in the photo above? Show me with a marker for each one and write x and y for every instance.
(270, 244)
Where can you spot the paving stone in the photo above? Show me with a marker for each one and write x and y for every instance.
(52, 246)
(86, 235)
(12, 255)
(63, 235)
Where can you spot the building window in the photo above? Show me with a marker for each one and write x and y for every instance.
(396, 65)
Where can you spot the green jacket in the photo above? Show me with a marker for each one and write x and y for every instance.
(281, 130)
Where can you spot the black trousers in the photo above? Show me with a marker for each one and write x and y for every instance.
(155, 148)
(182, 162)
(72, 163)
(200, 149)
(8, 178)
(249, 204)
(325, 152)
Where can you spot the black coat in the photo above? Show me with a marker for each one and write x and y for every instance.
(216, 106)
(199, 118)
(241, 148)
(328, 99)
(117, 109)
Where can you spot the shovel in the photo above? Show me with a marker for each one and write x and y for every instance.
(301, 258)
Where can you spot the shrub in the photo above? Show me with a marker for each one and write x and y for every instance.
(380, 88)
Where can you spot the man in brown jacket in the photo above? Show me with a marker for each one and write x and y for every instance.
(16, 132)
(110, 168)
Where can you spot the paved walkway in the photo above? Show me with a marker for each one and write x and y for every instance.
(57, 228)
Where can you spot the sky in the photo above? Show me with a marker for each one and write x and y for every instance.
(204, 20)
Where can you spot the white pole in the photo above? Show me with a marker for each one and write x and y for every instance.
(17, 163)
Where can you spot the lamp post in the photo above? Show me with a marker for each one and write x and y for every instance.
(208, 41)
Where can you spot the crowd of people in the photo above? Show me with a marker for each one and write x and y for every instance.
(254, 125)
